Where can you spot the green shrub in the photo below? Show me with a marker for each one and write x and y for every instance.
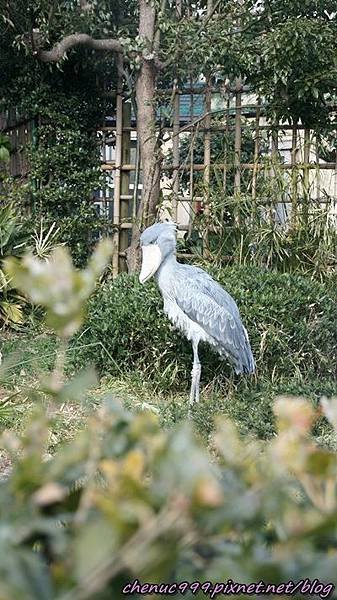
(291, 320)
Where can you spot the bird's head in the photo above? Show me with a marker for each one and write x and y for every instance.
(157, 242)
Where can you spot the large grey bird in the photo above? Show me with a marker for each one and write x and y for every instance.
(195, 303)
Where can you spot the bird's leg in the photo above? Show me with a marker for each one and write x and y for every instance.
(197, 382)
(196, 371)
(192, 392)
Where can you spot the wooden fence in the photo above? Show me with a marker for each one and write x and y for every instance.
(277, 148)
(199, 114)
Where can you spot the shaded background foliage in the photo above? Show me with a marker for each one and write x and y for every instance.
(66, 106)
(68, 103)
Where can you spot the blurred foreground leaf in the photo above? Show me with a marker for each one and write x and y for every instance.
(57, 286)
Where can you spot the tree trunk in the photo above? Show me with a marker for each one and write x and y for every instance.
(150, 151)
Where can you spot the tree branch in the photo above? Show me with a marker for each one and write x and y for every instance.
(83, 39)
(77, 39)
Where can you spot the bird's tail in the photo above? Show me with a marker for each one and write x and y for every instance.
(245, 368)
(250, 368)
(247, 362)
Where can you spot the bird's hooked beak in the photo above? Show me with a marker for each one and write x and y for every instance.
(151, 259)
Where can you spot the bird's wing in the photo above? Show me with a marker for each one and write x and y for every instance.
(213, 289)
(205, 302)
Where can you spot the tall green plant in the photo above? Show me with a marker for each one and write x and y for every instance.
(4, 149)
(64, 174)
(13, 242)
(262, 228)
(63, 107)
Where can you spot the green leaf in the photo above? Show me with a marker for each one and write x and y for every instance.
(11, 312)
(56, 285)
(4, 154)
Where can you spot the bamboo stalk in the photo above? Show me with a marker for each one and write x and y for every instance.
(280, 128)
(110, 166)
(207, 166)
(237, 150)
(175, 140)
(124, 200)
(294, 190)
(118, 164)
(224, 168)
(175, 154)
(256, 152)
(191, 181)
(136, 184)
(306, 181)
(318, 172)
(224, 178)
(207, 148)
(335, 182)
(272, 175)
(237, 144)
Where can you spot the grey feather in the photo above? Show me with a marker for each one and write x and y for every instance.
(206, 303)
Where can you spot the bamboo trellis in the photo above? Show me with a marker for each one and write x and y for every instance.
(187, 182)
(292, 146)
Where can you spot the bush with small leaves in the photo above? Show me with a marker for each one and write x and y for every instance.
(291, 322)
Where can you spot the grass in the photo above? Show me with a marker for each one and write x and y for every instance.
(31, 357)
(248, 402)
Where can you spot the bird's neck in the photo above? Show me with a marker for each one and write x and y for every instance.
(167, 267)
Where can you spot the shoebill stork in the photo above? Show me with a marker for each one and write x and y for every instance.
(195, 303)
